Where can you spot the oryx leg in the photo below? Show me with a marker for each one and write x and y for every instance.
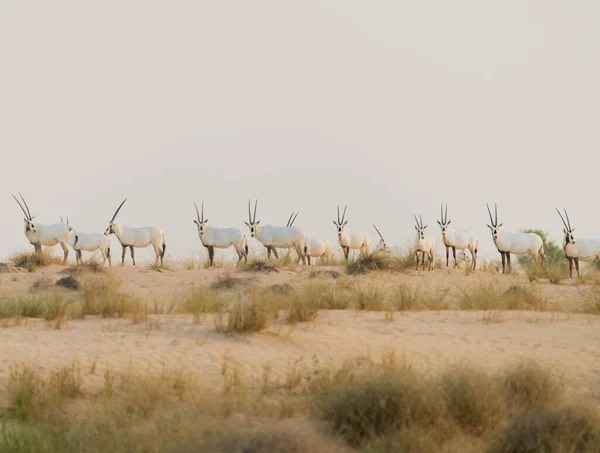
(275, 253)
(577, 267)
(268, 252)
(447, 255)
(65, 251)
(454, 255)
(503, 262)
(431, 261)
(570, 268)
(417, 260)
(123, 255)
(508, 261)
(156, 254)
(308, 259)
(132, 254)
(211, 255)
(108, 256)
(78, 256)
(474, 256)
(37, 248)
(240, 254)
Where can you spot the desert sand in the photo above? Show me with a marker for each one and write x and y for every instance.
(566, 340)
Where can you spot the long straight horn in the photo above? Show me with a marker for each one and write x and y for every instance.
(26, 206)
(294, 219)
(496, 213)
(117, 211)
(255, 203)
(416, 220)
(446, 215)
(490, 213)
(344, 214)
(561, 218)
(249, 212)
(442, 212)
(568, 221)
(197, 213)
(203, 210)
(421, 219)
(21, 206)
(378, 232)
(290, 219)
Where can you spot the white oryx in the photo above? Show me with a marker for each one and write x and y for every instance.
(273, 237)
(319, 249)
(220, 238)
(381, 245)
(457, 239)
(137, 237)
(351, 239)
(89, 242)
(423, 244)
(508, 242)
(45, 234)
(582, 249)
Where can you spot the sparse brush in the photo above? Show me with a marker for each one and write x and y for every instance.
(369, 262)
(32, 260)
(554, 270)
(379, 401)
(486, 296)
(198, 301)
(48, 305)
(31, 392)
(154, 266)
(228, 281)
(42, 282)
(567, 429)
(471, 398)
(103, 295)
(251, 312)
(69, 282)
(406, 299)
(257, 265)
(368, 297)
(528, 384)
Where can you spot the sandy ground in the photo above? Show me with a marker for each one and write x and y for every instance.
(570, 342)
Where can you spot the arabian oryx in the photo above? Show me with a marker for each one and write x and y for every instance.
(137, 237)
(381, 245)
(508, 242)
(45, 234)
(423, 244)
(273, 237)
(319, 249)
(582, 249)
(220, 238)
(351, 239)
(89, 242)
(457, 239)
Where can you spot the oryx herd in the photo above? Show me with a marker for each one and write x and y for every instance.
(274, 237)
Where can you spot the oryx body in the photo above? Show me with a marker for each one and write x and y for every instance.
(457, 239)
(137, 237)
(90, 242)
(424, 245)
(317, 248)
(351, 239)
(580, 249)
(221, 238)
(508, 242)
(273, 236)
(43, 234)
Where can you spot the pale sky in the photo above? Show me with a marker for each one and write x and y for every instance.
(390, 107)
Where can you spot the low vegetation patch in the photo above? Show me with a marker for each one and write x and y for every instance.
(32, 260)
(48, 305)
(487, 296)
(69, 282)
(104, 296)
(229, 281)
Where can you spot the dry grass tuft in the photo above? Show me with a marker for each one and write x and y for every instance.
(104, 296)
(41, 283)
(31, 260)
(406, 298)
(528, 384)
(228, 281)
(69, 282)
(48, 305)
(486, 296)
(368, 297)
(250, 312)
(199, 301)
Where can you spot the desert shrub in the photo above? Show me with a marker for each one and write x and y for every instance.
(46, 305)
(32, 260)
(562, 430)
(470, 397)
(103, 295)
(250, 312)
(369, 262)
(69, 282)
(228, 281)
(528, 384)
(375, 403)
(487, 296)
(406, 298)
(367, 297)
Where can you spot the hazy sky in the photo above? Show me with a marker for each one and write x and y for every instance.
(390, 107)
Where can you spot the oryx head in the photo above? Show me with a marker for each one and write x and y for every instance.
(444, 220)
(29, 226)
(567, 230)
(341, 223)
(110, 230)
(201, 222)
(292, 220)
(253, 225)
(494, 226)
(381, 246)
(419, 227)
